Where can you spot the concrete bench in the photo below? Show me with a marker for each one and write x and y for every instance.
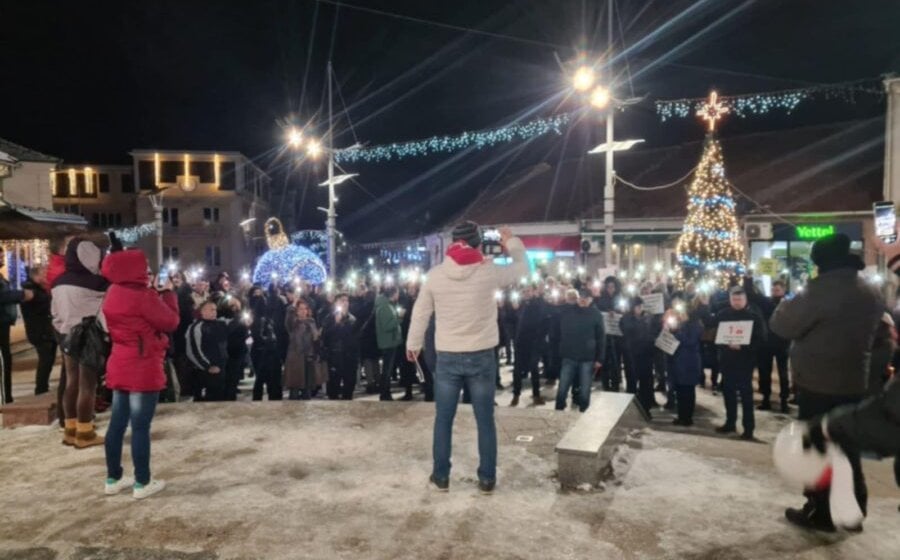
(29, 411)
(587, 448)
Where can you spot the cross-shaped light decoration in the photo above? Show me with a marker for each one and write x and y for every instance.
(712, 110)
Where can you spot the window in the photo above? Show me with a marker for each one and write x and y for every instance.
(211, 215)
(62, 184)
(103, 182)
(127, 183)
(213, 256)
(170, 216)
(226, 170)
(170, 253)
(118, 219)
(170, 170)
(146, 175)
(204, 170)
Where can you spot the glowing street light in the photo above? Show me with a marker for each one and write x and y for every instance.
(583, 79)
(314, 149)
(600, 97)
(295, 138)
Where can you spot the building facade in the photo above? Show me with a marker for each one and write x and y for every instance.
(214, 207)
(29, 180)
(104, 195)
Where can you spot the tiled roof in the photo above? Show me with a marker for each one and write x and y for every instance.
(828, 168)
(22, 153)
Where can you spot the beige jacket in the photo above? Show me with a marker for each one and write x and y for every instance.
(462, 300)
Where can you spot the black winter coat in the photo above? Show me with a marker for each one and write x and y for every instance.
(36, 313)
(533, 323)
(745, 358)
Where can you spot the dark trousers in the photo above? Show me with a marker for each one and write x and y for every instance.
(711, 361)
(46, 351)
(209, 386)
(611, 374)
(268, 377)
(508, 346)
(388, 366)
(527, 357)
(341, 375)
(686, 396)
(642, 372)
(234, 368)
(184, 372)
(6, 365)
(780, 355)
(811, 405)
(552, 361)
(734, 383)
(659, 367)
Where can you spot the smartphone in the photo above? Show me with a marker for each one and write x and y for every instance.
(885, 221)
(162, 277)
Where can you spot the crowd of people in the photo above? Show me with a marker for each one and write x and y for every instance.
(181, 337)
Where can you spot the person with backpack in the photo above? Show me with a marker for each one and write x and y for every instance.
(140, 317)
(77, 295)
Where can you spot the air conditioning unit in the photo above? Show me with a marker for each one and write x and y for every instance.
(758, 231)
(590, 247)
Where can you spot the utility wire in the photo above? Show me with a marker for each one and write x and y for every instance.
(344, 105)
(657, 187)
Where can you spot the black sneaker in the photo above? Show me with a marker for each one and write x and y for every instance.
(439, 485)
(748, 436)
(726, 429)
(486, 487)
(807, 519)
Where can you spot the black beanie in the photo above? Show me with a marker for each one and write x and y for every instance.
(833, 252)
(469, 232)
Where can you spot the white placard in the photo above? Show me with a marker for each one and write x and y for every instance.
(604, 273)
(731, 333)
(654, 304)
(667, 342)
(611, 323)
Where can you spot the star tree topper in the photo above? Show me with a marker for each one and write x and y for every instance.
(712, 110)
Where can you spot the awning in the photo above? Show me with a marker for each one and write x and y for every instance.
(20, 222)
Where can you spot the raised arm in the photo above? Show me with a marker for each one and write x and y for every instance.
(509, 275)
(421, 315)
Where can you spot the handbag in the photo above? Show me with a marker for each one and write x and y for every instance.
(89, 343)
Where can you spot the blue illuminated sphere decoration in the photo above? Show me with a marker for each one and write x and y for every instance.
(292, 261)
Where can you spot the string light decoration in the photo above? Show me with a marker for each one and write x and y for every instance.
(22, 253)
(710, 247)
(757, 104)
(446, 144)
(316, 240)
(284, 261)
(130, 235)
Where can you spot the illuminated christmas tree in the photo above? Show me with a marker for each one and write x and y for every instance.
(710, 247)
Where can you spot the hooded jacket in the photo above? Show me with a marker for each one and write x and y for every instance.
(460, 293)
(139, 321)
(832, 325)
(78, 292)
(387, 324)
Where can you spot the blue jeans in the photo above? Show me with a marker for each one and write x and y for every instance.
(138, 408)
(476, 371)
(567, 376)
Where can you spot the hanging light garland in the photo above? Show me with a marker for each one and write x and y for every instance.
(446, 144)
(756, 104)
(130, 235)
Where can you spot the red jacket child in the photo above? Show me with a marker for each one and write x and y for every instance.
(138, 319)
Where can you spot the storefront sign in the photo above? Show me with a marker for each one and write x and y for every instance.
(812, 232)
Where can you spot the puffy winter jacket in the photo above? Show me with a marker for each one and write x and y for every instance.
(78, 292)
(139, 321)
(462, 299)
(685, 366)
(387, 324)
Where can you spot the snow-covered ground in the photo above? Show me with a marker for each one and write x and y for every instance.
(348, 480)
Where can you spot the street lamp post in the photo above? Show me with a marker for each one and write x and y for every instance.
(156, 201)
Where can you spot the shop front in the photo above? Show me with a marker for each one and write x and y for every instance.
(786, 255)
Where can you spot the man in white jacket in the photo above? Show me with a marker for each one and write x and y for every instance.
(460, 293)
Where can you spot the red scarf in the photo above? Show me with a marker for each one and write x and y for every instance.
(462, 254)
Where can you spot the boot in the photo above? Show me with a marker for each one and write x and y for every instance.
(409, 394)
(538, 400)
(86, 436)
(515, 401)
(764, 405)
(785, 409)
(70, 432)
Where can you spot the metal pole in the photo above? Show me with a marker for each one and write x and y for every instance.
(158, 211)
(609, 194)
(332, 215)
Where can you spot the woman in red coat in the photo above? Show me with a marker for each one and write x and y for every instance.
(139, 318)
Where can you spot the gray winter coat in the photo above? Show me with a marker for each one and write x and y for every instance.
(832, 325)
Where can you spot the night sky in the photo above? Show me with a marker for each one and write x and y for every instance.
(88, 81)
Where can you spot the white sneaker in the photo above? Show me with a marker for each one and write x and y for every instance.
(142, 491)
(113, 487)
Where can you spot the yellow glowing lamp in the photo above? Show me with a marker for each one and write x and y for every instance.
(583, 78)
(712, 110)
(600, 97)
